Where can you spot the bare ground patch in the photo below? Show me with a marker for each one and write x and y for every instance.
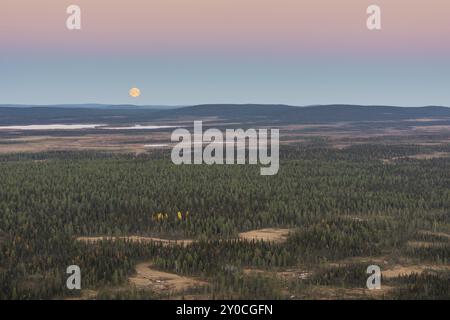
(355, 218)
(111, 142)
(400, 270)
(138, 239)
(268, 235)
(425, 244)
(437, 234)
(161, 282)
(428, 156)
(295, 274)
(392, 267)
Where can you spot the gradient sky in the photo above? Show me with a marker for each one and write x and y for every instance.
(181, 52)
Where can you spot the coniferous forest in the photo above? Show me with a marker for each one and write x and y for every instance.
(345, 210)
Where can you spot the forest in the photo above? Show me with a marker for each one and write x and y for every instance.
(345, 209)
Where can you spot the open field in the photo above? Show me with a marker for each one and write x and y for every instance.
(275, 235)
(147, 277)
(137, 239)
(267, 235)
(398, 271)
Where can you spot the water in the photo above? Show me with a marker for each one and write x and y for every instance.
(140, 127)
(52, 127)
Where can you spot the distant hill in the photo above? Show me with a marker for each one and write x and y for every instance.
(311, 114)
(249, 113)
(90, 106)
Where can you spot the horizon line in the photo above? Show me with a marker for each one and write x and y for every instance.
(3, 105)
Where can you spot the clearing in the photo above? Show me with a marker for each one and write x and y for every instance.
(426, 244)
(437, 234)
(161, 282)
(166, 242)
(400, 270)
(267, 235)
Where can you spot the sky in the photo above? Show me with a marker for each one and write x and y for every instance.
(184, 52)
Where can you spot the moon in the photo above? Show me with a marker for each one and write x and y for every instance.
(134, 92)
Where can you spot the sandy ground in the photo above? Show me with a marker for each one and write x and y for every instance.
(183, 242)
(269, 235)
(426, 244)
(438, 234)
(149, 278)
(400, 270)
(105, 142)
(428, 156)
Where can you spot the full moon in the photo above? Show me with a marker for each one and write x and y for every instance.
(135, 92)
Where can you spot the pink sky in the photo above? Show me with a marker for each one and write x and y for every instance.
(226, 51)
(227, 26)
